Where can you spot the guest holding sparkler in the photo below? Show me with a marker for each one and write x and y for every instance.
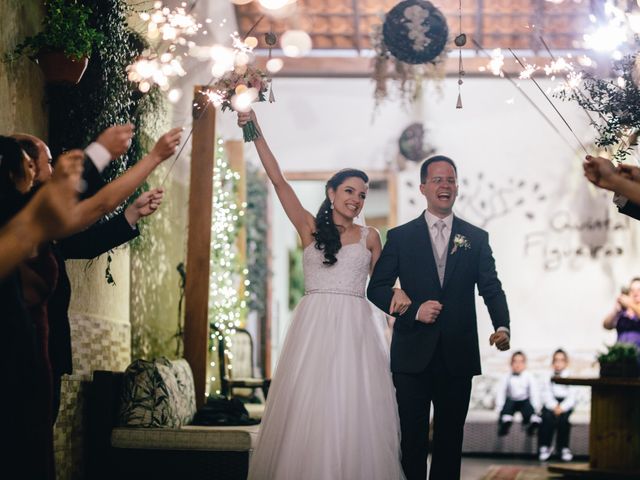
(623, 180)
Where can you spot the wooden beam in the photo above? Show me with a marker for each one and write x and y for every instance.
(196, 295)
(362, 67)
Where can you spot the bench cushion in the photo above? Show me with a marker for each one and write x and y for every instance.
(157, 394)
(235, 439)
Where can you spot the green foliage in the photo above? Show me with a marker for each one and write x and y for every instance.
(619, 353)
(296, 277)
(65, 27)
(105, 97)
(226, 302)
(257, 226)
(617, 107)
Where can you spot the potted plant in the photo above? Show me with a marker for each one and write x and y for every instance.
(620, 360)
(63, 47)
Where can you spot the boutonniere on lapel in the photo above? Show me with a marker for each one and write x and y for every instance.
(460, 241)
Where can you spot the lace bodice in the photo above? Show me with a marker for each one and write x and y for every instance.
(347, 276)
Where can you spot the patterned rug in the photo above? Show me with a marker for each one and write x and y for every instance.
(515, 472)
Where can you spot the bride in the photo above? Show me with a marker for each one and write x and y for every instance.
(331, 413)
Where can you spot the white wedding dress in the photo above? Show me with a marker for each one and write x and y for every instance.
(331, 413)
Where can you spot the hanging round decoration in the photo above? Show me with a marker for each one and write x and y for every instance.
(411, 143)
(415, 31)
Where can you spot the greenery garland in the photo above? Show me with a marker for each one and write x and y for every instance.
(105, 97)
(227, 295)
(257, 226)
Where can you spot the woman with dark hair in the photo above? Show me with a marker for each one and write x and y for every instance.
(331, 413)
(26, 363)
(17, 172)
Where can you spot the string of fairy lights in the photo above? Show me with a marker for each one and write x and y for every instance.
(228, 286)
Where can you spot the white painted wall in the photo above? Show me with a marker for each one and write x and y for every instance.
(556, 297)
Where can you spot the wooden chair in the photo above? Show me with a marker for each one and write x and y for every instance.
(237, 377)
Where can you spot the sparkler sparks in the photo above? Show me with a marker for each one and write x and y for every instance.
(167, 29)
(551, 103)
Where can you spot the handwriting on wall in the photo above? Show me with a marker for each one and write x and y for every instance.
(568, 241)
(562, 228)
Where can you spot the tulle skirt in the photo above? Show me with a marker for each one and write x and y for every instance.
(331, 413)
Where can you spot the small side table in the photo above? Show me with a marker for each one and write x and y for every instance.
(614, 429)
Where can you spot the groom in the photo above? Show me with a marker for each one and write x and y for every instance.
(439, 260)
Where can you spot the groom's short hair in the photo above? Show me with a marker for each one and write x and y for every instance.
(436, 158)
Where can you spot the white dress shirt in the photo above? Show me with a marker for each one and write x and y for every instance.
(99, 155)
(551, 391)
(518, 388)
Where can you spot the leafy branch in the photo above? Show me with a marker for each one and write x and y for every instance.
(616, 103)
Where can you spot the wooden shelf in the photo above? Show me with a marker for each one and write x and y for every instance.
(600, 381)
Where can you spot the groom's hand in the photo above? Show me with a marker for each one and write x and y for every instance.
(500, 339)
(429, 311)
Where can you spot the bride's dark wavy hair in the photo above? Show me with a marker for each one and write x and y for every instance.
(327, 234)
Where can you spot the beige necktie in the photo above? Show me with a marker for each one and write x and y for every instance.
(439, 238)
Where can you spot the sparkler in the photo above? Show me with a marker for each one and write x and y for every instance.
(531, 102)
(186, 140)
(568, 83)
(240, 47)
(551, 103)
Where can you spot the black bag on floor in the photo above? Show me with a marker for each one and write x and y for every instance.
(221, 411)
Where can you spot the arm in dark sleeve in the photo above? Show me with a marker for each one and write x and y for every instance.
(92, 179)
(630, 209)
(98, 238)
(385, 274)
(490, 288)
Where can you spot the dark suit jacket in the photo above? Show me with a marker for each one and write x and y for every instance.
(90, 243)
(92, 179)
(631, 209)
(408, 255)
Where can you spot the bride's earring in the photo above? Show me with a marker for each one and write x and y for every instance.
(331, 204)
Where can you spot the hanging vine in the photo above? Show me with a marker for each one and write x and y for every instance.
(105, 97)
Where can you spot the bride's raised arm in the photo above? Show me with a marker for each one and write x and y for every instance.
(302, 220)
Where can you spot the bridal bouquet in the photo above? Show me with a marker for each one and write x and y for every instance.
(236, 91)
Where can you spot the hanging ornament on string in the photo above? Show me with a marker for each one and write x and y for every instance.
(271, 39)
(460, 42)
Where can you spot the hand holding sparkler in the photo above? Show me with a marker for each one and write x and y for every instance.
(166, 145)
(600, 171)
(629, 172)
(623, 181)
(116, 139)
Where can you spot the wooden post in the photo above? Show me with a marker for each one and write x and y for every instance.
(392, 191)
(196, 295)
(614, 429)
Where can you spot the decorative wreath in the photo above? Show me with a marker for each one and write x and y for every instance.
(415, 31)
(411, 143)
